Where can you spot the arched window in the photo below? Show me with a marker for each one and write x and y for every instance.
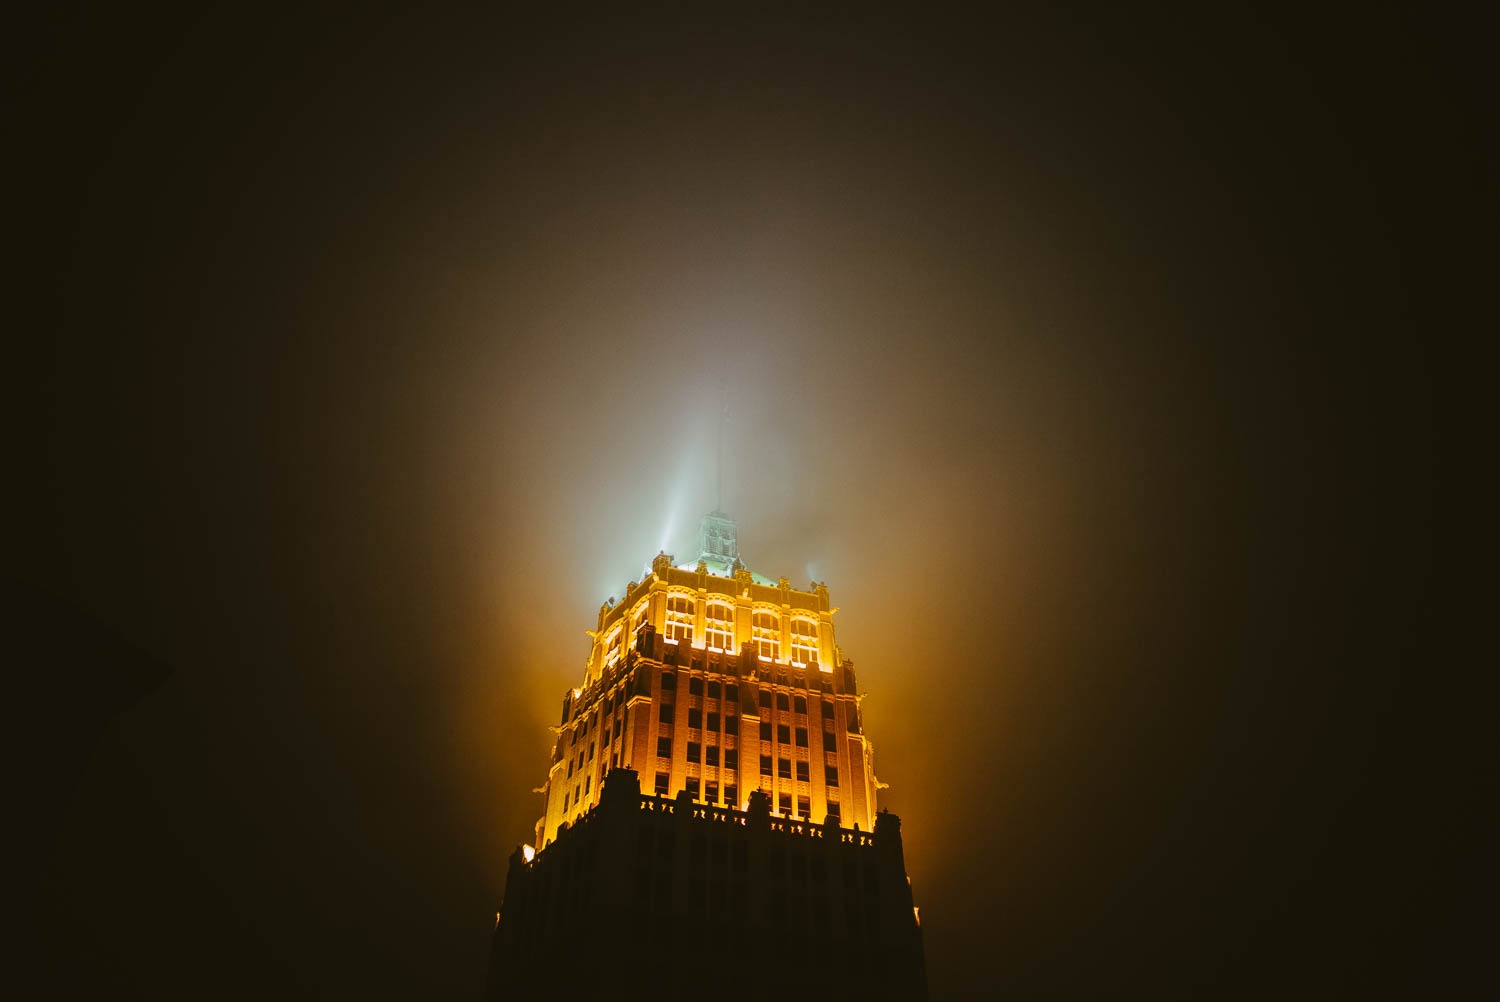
(680, 613)
(765, 630)
(639, 617)
(612, 647)
(804, 642)
(718, 624)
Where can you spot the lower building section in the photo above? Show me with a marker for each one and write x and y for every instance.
(650, 897)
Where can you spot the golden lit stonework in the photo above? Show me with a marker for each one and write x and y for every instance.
(712, 679)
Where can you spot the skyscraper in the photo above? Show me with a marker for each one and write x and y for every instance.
(712, 789)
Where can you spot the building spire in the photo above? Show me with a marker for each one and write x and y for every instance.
(723, 419)
(718, 544)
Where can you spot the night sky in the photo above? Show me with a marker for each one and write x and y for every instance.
(1088, 357)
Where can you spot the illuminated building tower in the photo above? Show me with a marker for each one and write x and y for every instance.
(712, 784)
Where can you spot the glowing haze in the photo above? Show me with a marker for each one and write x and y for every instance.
(424, 336)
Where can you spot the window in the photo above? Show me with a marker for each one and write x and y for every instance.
(664, 714)
(827, 710)
(591, 749)
(566, 795)
(765, 765)
(833, 809)
(587, 780)
(802, 771)
(800, 704)
(664, 747)
(829, 744)
(614, 647)
(695, 718)
(803, 807)
(784, 768)
(802, 737)
(731, 758)
(765, 699)
(781, 701)
(640, 618)
(765, 631)
(713, 690)
(712, 757)
(785, 802)
(661, 784)
(731, 796)
(784, 734)
(617, 727)
(804, 642)
(694, 751)
(731, 692)
(711, 792)
(668, 681)
(695, 686)
(680, 613)
(831, 775)
(692, 786)
(570, 768)
(765, 730)
(731, 725)
(718, 624)
(713, 721)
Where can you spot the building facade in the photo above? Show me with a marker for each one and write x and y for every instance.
(713, 679)
(713, 772)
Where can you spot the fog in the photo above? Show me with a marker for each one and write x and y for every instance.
(385, 354)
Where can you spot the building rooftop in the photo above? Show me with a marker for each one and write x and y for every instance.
(719, 549)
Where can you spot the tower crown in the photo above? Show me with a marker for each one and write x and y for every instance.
(718, 539)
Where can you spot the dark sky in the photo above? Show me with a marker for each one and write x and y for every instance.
(1085, 356)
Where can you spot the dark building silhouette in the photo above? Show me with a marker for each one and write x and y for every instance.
(694, 842)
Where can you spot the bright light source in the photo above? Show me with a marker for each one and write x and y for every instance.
(528, 852)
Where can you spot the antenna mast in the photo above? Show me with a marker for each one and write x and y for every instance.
(723, 417)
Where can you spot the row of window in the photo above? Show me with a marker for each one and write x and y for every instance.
(719, 630)
(698, 753)
(583, 725)
(784, 770)
(797, 704)
(695, 686)
(710, 790)
(577, 794)
(784, 735)
(667, 713)
(606, 737)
